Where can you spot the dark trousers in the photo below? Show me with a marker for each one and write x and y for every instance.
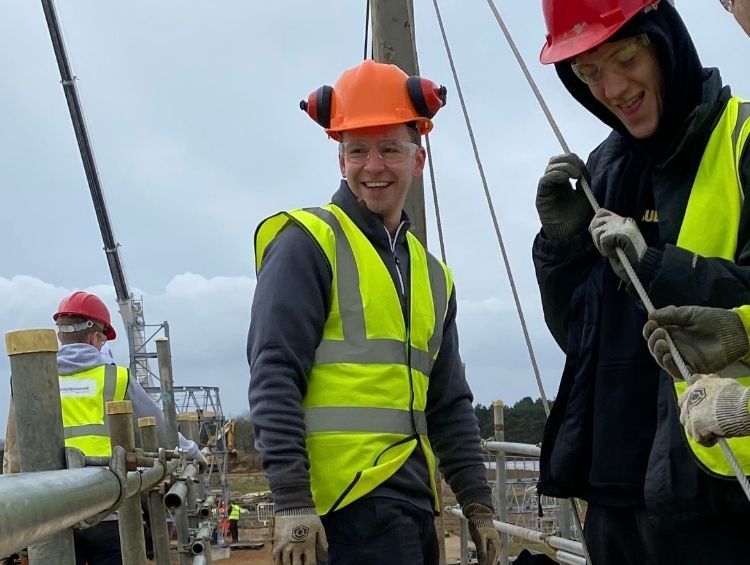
(99, 545)
(626, 536)
(233, 531)
(373, 531)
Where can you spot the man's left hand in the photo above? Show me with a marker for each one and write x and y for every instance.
(483, 533)
(610, 231)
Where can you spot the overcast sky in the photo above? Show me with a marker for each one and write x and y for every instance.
(193, 112)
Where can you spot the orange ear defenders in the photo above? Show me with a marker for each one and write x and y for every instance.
(375, 94)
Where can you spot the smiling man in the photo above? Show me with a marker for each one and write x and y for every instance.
(670, 178)
(356, 383)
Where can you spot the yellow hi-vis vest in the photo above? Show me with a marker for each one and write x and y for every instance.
(367, 391)
(83, 397)
(235, 513)
(710, 228)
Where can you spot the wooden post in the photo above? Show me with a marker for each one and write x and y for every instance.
(393, 42)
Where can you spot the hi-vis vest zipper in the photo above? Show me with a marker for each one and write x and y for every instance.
(367, 391)
(710, 228)
(83, 397)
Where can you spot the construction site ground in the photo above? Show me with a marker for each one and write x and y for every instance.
(245, 485)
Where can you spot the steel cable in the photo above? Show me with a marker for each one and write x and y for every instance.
(491, 206)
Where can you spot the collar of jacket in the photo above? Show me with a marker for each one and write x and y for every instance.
(370, 223)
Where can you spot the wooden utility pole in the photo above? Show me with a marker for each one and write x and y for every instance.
(393, 42)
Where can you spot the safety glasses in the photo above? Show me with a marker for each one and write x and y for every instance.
(621, 60)
(390, 151)
(728, 5)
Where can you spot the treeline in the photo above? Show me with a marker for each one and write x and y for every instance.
(524, 421)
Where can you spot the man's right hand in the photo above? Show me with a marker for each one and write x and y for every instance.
(563, 210)
(298, 537)
(709, 339)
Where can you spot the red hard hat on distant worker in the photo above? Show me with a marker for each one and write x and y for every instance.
(89, 306)
(375, 94)
(575, 26)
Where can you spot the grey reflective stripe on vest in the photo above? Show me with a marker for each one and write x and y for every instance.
(354, 419)
(357, 348)
(110, 387)
(743, 113)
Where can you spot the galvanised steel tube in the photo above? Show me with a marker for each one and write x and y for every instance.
(156, 509)
(570, 558)
(130, 516)
(176, 496)
(555, 542)
(36, 392)
(515, 448)
(202, 540)
(139, 481)
(501, 475)
(35, 506)
(208, 505)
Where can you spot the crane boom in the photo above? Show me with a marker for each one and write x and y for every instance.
(130, 309)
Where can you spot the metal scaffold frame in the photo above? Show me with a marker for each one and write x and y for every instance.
(205, 403)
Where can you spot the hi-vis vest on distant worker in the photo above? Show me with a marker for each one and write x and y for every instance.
(367, 391)
(83, 397)
(710, 228)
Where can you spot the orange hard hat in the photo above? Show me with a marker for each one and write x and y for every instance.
(89, 306)
(575, 26)
(375, 94)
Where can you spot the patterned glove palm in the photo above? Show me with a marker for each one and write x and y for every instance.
(713, 407)
(709, 339)
(484, 535)
(298, 537)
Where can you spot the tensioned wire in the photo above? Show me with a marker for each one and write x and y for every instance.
(491, 207)
(575, 509)
(686, 374)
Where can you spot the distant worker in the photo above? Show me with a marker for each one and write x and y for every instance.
(234, 520)
(356, 380)
(87, 381)
(710, 340)
(740, 9)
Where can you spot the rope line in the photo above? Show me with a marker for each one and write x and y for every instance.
(689, 378)
(491, 206)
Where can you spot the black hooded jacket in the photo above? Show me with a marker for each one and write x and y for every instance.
(614, 437)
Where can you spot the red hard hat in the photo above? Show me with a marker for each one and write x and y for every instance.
(575, 26)
(89, 306)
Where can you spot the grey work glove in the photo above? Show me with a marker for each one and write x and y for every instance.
(484, 535)
(610, 231)
(713, 407)
(709, 339)
(563, 210)
(298, 537)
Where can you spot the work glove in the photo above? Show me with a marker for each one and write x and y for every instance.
(610, 231)
(298, 537)
(713, 407)
(563, 210)
(484, 535)
(709, 339)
